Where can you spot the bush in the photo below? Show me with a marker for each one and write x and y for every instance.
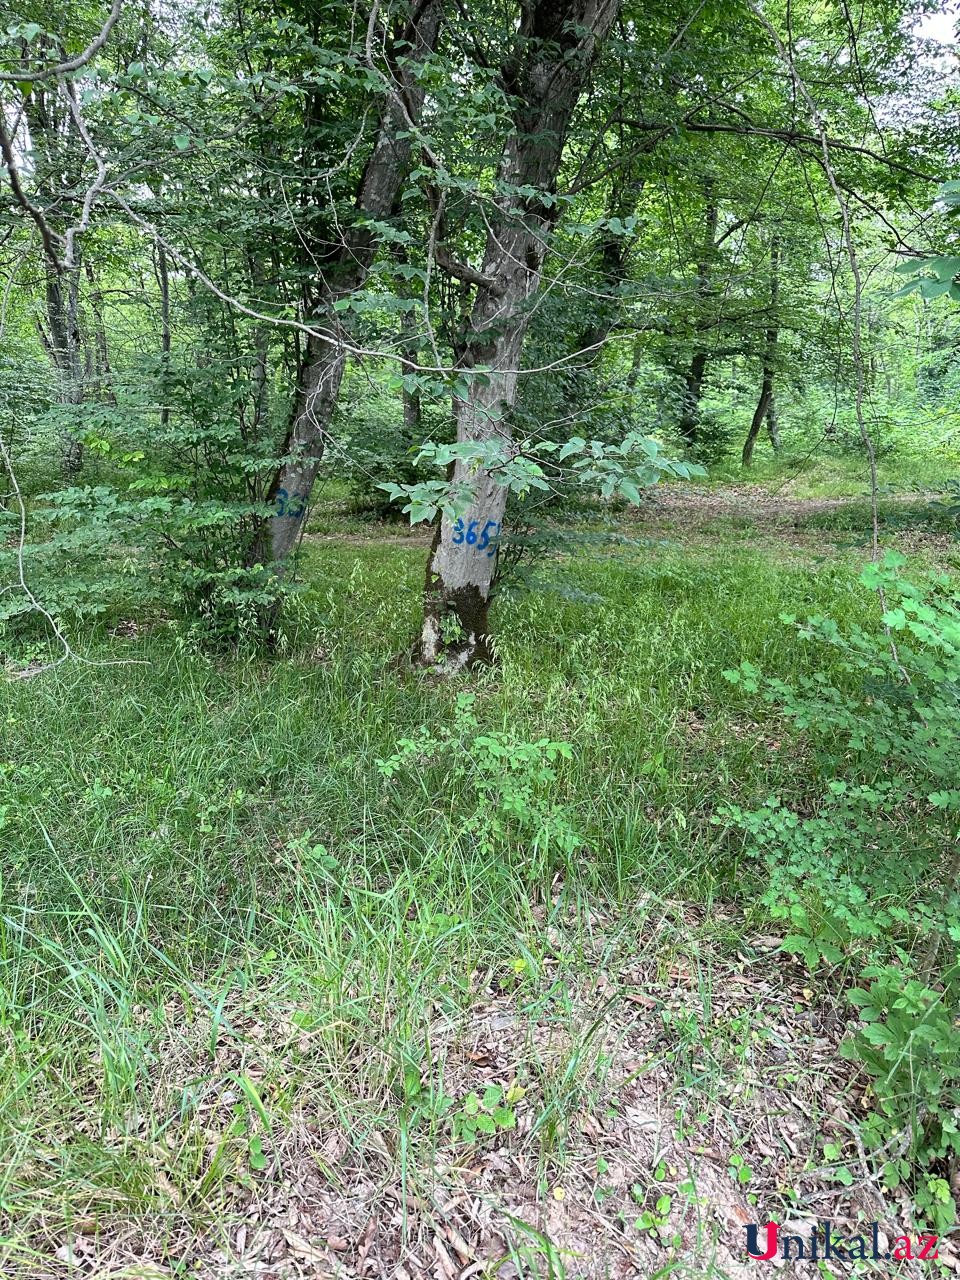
(884, 727)
(910, 1046)
(171, 515)
(374, 447)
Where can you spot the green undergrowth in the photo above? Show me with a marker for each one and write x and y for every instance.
(355, 850)
(824, 473)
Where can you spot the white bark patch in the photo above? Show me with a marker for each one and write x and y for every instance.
(430, 639)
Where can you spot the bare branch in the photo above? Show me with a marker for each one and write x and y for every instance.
(95, 187)
(47, 234)
(461, 270)
(792, 136)
(72, 64)
(866, 439)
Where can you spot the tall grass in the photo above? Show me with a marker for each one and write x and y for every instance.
(218, 915)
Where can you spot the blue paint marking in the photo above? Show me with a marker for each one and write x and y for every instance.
(467, 535)
(291, 504)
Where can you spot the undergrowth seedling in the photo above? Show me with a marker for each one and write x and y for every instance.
(886, 730)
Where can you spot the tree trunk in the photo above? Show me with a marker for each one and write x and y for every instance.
(689, 423)
(163, 279)
(325, 358)
(766, 392)
(409, 352)
(773, 424)
(557, 41)
(765, 404)
(103, 371)
(49, 127)
(66, 353)
(609, 266)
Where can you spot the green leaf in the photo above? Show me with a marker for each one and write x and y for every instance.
(945, 268)
(181, 141)
(934, 288)
(504, 1118)
(492, 1096)
(253, 1097)
(576, 444)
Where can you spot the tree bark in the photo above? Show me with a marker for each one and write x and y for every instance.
(103, 372)
(322, 369)
(689, 424)
(66, 353)
(410, 352)
(773, 424)
(163, 279)
(765, 405)
(766, 392)
(557, 41)
(49, 131)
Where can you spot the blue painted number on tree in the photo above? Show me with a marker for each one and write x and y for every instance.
(467, 535)
(291, 504)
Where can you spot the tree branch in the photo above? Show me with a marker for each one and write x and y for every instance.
(72, 64)
(47, 234)
(791, 136)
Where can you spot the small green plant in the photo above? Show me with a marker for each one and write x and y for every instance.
(472, 1118)
(483, 1115)
(507, 781)
(910, 1045)
(886, 741)
(255, 1154)
(949, 502)
(739, 1170)
(654, 1219)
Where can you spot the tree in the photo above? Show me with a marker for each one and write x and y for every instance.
(765, 406)
(60, 203)
(543, 78)
(535, 234)
(342, 271)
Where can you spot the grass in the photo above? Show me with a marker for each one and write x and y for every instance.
(824, 473)
(225, 929)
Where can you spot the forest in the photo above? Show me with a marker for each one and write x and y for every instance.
(479, 639)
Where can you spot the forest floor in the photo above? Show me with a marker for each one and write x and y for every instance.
(270, 1010)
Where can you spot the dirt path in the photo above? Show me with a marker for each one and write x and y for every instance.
(700, 513)
(805, 526)
(696, 506)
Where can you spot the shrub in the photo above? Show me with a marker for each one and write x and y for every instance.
(170, 517)
(373, 445)
(884, 727)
